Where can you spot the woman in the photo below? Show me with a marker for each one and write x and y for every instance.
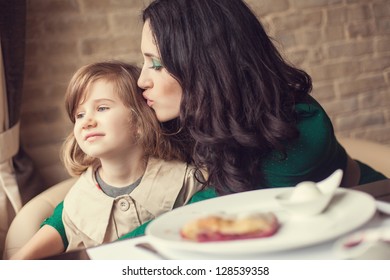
(210, 65)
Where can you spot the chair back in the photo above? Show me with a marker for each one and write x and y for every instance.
(28, 220)
(371, 153)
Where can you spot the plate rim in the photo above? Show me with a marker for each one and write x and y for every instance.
(191, 246)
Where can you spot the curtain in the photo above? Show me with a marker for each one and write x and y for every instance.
(19, 181)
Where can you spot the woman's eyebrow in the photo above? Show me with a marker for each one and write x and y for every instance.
(150, 55)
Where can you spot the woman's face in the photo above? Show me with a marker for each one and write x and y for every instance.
(162, 92)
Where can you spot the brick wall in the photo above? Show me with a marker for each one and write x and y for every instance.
(343, 44)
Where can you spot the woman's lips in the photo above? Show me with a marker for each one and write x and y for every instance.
(149, 102)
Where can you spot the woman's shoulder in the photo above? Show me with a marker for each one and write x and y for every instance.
(315, 152)
(314, 125)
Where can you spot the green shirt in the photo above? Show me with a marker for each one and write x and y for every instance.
(312, 157)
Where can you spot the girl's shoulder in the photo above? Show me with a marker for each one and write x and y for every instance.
(154, 162)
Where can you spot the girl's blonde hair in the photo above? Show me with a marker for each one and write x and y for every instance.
(123, 77)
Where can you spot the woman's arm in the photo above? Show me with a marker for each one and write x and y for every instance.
(46, 242)
(351, 175)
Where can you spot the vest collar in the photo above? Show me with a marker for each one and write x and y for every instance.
(157, 192)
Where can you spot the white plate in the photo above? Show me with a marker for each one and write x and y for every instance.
(371, 244)
(383, 206)
(347, 211)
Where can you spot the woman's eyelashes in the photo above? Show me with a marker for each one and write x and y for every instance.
(156, 65)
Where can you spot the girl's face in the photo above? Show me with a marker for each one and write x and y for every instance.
(102, 123)
(162, 92)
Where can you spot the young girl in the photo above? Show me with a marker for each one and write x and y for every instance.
(128, 173)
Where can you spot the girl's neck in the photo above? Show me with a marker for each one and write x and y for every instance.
(123, 171)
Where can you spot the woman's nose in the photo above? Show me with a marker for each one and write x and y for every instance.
(144, 81)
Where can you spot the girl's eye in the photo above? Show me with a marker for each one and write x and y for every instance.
(156, 65)
(103, 108)
(79, 115)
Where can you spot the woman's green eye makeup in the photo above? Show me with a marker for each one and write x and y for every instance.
(156, 65)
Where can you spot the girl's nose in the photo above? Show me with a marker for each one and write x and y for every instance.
(89, 122)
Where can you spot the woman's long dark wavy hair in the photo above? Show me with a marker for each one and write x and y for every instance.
(238, 92)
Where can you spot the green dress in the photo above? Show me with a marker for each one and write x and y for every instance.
(311, 157)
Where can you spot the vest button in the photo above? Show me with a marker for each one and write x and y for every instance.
(124, 205)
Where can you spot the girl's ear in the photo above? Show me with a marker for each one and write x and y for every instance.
(138, 135)
(139, 132)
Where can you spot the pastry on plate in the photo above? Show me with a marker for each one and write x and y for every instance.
(227, 227)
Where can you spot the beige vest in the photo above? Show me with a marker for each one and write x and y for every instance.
(91, 217)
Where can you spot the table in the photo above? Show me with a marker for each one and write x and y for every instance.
(380, 190)
(120, 250)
